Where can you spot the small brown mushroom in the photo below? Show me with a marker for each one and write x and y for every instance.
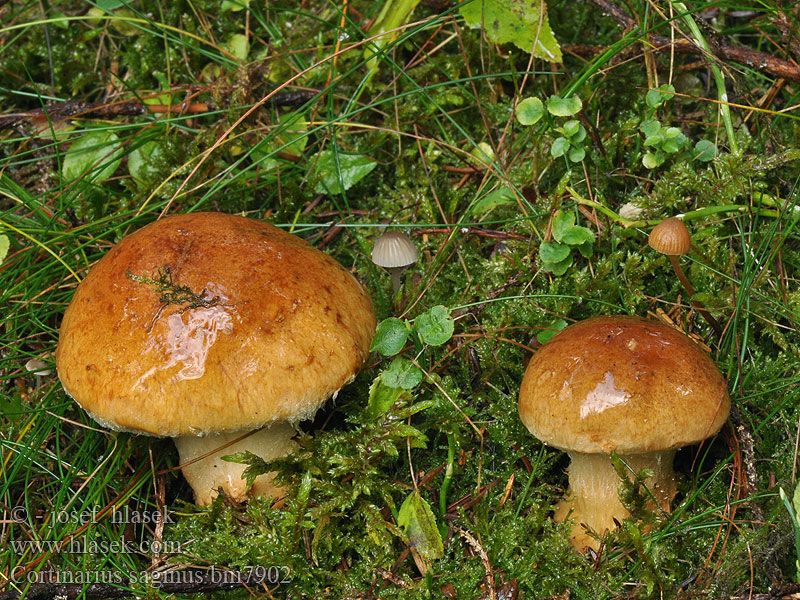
(627, 385)
(206, 326)
(395, 252)
(671, 237)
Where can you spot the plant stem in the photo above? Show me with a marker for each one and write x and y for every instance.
(448, 473)
(719, 79)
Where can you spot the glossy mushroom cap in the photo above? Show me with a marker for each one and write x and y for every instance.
(394, 249)
(670, 237)
(622, 384)
(209, 322)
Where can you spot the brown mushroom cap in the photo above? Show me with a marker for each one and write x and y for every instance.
(670, 237)
(268, 328)
(622, 384)
(394, 249)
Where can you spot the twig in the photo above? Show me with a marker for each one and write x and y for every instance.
(760, 61)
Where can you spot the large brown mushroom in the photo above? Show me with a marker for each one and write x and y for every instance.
(205, 326)
(619, 384)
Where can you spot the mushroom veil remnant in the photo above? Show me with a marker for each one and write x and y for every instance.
(619, 384)
(204, 327)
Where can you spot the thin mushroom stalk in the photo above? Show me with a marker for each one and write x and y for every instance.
(699, 306)
(671, 238)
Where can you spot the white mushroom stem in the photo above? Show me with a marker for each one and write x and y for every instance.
(396, 273)
(593, 495)
(209, 474)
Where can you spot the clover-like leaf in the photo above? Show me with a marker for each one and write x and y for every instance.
(559, 147)
(435, 326)
(562, 222)
(390, 336)
(401, 373)
(564, 107)
(553, 253)
(705, 151)
(577, 235)
(529, 111)
(557, 268)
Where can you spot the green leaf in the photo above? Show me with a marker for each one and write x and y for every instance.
(141, 160)
(562, 222)
(394, 13)
(521, 22)
(650, 128)
(586, 249)
(671, 146)
(95, 156)
(652, 160)
(4, 244)
(553, 253)
(570, 128)
(498, 197)
(557, 268)
(390, 336)
(577, 154)
(435, 326)
(419, 524)
(529, 111)
(234, 5)
(401, 373)
(552, 329)
(705, 151)
(335, 178)
(559, 147)
(654, 140)
(577, 235)
(659, 96)
(564, 107)
(796, 501)
(383, 397)
(238, 45)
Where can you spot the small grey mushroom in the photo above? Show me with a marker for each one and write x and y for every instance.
(394, 251)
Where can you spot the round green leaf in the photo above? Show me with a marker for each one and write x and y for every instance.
(650, 128)
(401, 373)
(557, 268)
(577, 154)
(705, 150)
(553, 253)
(95, 156)
(652, 160)
(559, 147)
(529, 111)
(564, 107)
(390, 336)
(434, 327)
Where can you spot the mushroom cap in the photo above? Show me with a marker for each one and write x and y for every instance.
(394, 249)
(670, 237)
(622, 384)
(267, 328)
